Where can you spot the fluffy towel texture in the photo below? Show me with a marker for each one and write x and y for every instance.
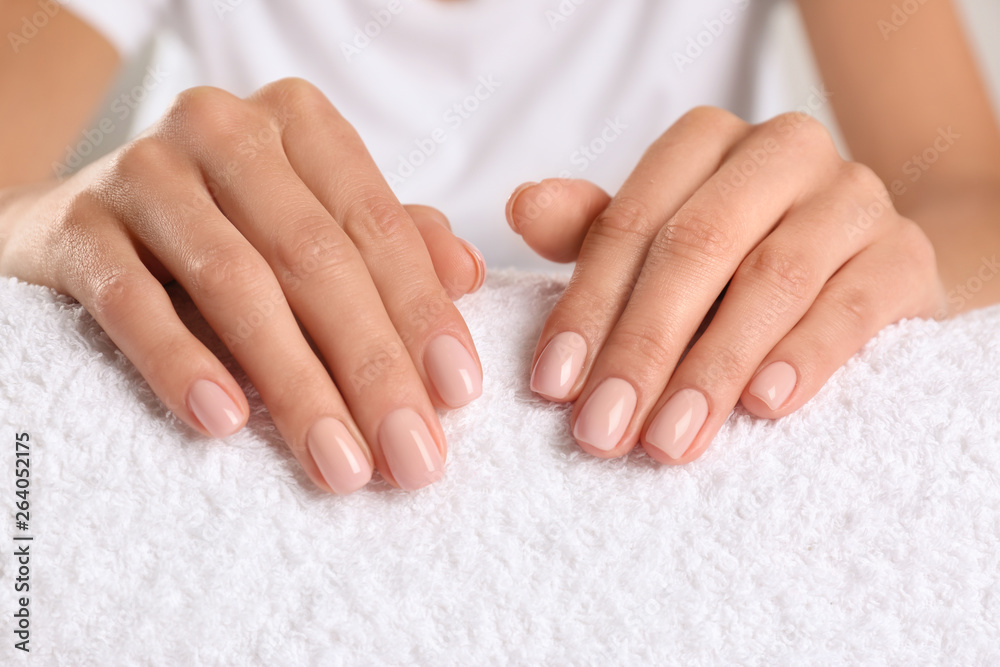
(865, 528)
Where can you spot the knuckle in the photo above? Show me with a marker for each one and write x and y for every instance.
(224, 267)
(70, 236)
(424, 311)
(857, 177)
(710, 116)
(206, 111)
(648, 345)
(299, 95)
(300, 375)
(808, 135)
(918, 248)
(377, 215)
(112, 294)
(855, 306)
(728, 367)
(590, 311)
(694, 234)
(381, 361)
(140, 158)
(780, 269)
(626, 219)
(313, 246)
(85, 207)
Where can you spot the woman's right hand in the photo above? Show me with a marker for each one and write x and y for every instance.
(269, 212)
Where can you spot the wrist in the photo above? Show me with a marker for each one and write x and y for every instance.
(15, 202)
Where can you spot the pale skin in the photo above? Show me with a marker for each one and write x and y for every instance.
(768, 212)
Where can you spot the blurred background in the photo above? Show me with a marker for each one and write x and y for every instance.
(790, 50)
(787, 50)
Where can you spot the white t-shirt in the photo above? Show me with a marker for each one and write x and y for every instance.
(460, 101)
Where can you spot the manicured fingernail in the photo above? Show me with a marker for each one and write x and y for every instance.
(453, 371)
(605, 416)
(559, 365)
(477, 257)
(678, 422)
(214, 409)
(338, 456)
(774, 384)
(409, 449)
(510, 204)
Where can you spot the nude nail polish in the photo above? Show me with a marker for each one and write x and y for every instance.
(678, 422)
(409, 449)
(604, 418)
(559, 365)
(774, 384)
(509, 208)
(338, 456)
(214, 409)
(453, 371)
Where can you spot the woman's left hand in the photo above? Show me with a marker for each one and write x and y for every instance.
(785, 257)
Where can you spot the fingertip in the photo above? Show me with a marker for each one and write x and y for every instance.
(215, 409)
(692, 454)
(411, 452)
(768, 393)
(512, 202)
(342, 463)
(480, 266)
(554, 215)
(458, 264)
(760, 408)
(614, 453)
(659, 455)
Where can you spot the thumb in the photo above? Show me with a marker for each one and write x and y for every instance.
(553, 216)
(459, 265)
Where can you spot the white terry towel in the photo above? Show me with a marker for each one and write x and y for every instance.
(863, 529)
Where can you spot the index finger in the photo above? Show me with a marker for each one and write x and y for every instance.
(615, 247)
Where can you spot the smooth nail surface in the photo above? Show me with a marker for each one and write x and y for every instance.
(214, 409)
(453, 371)
(409, 449)
(338, 456)
(477, 257)
(559, 365)
(606, 415)
(774, 384)
(509, 209)
(678, 422)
